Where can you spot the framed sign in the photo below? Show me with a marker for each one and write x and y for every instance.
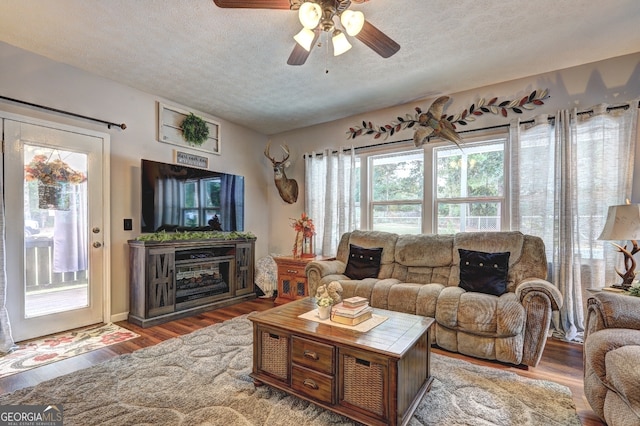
(170, 119)
(188, 159)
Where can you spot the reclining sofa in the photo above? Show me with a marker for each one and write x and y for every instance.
(487, 291)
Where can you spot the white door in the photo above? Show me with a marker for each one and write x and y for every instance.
(55, 236)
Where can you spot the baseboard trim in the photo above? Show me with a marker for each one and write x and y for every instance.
(119, 317)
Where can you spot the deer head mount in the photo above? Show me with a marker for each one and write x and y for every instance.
(287, 188)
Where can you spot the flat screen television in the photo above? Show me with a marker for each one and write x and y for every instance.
(180, 198)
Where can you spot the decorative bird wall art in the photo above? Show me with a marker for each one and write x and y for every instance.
(433, 123)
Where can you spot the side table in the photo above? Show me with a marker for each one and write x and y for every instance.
(292, 280)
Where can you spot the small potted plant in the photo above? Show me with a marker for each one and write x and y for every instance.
(324, 307)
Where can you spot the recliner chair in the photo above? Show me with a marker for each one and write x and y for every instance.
(612, 357)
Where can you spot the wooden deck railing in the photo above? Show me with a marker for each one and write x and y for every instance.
(39, 266)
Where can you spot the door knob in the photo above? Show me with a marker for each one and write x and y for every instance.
(97, 244)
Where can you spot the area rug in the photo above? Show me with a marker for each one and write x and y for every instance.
(203, 379)
(35, 353)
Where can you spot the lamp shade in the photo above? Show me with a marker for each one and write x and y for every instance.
(340, 43)
(352, 21)
(305, 38)
(623, 223)
(309, 14)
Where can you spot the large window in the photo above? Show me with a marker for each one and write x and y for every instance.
(397, 192)
(469, 187)
(439, 189)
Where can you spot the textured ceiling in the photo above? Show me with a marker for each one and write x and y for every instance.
(231, 63)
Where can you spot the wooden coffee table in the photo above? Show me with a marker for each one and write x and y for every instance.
(376, 377)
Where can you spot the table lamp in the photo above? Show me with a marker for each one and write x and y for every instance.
(623, 223)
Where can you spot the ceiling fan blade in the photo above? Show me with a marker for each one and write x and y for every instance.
(377, 40)
(258, 4)
(299, 54)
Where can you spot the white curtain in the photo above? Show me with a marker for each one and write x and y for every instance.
(6, 339)
(564, 176)
(70, 233)
(329, 196)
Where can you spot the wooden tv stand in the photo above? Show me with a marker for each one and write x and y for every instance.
(176, 279)
(376, 377)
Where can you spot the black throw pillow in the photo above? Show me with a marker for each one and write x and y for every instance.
(484, 272)
(363, 262)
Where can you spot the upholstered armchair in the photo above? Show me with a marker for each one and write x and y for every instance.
(612, 357)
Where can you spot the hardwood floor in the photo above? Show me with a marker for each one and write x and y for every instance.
(561, 361)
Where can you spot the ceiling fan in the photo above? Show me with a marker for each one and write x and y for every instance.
(317, 16)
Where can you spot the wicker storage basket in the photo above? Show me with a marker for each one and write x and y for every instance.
(364, 385)
(274, 356)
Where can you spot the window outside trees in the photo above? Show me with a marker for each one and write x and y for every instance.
(470, 188)
(397, 195)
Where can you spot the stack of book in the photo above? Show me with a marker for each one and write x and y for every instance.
(351, 311)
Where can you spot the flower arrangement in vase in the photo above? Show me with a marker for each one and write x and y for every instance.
(324, 307)
(305, 230)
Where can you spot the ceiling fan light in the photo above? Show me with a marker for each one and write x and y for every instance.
(352, 21)
(309, 14)
(305, 38)
(340, 43)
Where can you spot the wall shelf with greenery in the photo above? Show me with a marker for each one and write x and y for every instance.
(170, 121)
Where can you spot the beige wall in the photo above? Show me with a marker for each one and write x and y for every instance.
(613, 81)
(39, 80)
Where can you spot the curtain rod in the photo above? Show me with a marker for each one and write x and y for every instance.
(498, 126)
(108, 123)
